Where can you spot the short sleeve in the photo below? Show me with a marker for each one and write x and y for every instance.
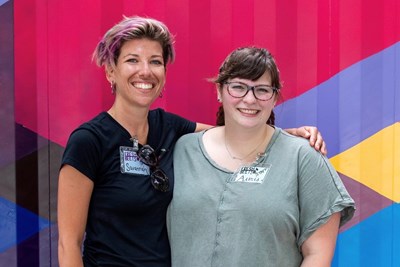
(182, 126)
(321, 193)
(83, 152)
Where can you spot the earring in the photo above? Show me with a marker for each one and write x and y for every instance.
(113, 87)
(161, 93)
(219, 100)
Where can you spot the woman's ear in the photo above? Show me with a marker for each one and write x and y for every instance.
(277, 97)
(219, 92)
(109, 73)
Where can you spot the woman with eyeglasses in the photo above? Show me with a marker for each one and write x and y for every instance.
(247, 193)
(116, 178)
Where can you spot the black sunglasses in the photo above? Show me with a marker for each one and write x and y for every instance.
(158, 178)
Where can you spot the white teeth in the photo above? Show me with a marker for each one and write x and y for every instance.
(143, 85)
(248, 111)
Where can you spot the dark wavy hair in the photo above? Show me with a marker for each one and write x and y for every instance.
(247, 63)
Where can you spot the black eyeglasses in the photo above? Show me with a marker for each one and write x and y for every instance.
(260, 92)
(158, 178)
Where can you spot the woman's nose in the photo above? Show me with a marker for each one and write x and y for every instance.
(144, 70)
(250, 96)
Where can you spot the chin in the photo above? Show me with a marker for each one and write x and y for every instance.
(248, 124)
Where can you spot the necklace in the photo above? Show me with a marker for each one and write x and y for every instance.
(251, 152)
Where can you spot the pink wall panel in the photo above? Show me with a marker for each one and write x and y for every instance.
(312, 40)
(338, 60)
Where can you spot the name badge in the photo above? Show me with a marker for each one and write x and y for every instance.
(130, 163)
(251, 174)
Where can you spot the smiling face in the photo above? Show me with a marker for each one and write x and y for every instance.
(247, 111)
(139, 75)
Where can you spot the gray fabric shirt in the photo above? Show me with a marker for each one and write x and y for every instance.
(258, 217)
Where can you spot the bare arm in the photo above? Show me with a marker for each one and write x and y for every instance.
(74, 192)
(201, 126)
(319, 248)
(311, 133)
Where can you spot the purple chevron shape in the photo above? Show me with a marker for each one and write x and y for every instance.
(17, 142)
(367, 201)
(352, 105)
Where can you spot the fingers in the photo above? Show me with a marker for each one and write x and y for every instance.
(324, 149)
(314, 135)
(316, 139)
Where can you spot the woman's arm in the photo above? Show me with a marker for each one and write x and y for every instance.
(201, 126)
(74, 192)
(308, 132)
(319, 248)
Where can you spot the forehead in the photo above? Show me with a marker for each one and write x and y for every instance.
(141, 47)
(264, 79)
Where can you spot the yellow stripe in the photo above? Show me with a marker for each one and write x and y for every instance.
(375, 162)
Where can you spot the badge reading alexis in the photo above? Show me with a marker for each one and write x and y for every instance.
(251, 174)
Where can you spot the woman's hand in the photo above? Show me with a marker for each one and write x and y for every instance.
(311, 133)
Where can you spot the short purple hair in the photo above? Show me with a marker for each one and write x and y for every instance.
(108, 49)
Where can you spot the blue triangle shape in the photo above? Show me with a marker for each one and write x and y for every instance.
(17, 224)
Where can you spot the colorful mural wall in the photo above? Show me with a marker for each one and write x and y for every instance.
(339, 59)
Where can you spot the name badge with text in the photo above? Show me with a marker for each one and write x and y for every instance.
(251, 174)
(130, 163)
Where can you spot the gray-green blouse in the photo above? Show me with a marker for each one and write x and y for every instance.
(257, 216)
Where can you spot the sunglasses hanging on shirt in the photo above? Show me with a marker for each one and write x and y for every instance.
(158, 178)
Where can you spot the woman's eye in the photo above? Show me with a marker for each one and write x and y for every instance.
(264, 90)
(132, 60)
(157, 62)
(238, 87)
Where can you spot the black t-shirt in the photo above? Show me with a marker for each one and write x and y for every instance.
(126, 220)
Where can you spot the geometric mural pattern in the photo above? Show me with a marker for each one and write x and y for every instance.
(339, 60)
(375, 162)
(365, 150)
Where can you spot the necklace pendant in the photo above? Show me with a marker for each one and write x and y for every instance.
(135, 143)
(260, 155)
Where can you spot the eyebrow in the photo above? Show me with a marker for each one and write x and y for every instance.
(136, 55)
(263, 84)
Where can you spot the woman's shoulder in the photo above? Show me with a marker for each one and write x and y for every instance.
(101, 122)
(288, 144)
(290, 139)
(189, 137)
(93, 129)
(159, 117)
(160, 113)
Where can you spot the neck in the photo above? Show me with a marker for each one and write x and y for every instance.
(133, 120)
(246, 145)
